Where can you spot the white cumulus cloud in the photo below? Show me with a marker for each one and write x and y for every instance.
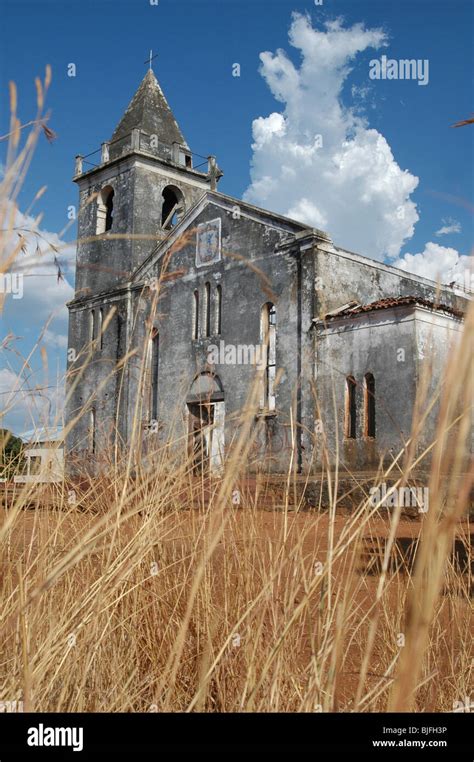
(317, 160)
(440, 263)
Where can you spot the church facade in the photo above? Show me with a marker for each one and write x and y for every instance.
(187, 300)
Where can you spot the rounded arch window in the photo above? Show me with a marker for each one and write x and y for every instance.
(351, 408)
(369, 405)
(173, 206)
(105, 209)
(206, 386)
(268, 339)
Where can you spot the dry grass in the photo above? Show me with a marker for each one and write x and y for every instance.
(152, 590)
(218, 608)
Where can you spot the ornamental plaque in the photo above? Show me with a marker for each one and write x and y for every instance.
(208, 243)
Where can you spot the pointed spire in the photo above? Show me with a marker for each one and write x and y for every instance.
(149, 111)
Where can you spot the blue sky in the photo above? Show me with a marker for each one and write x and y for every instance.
(197, 43)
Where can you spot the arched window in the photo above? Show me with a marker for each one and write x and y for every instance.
(268, 342)
(92, 325)
(218, 311)
(207, 309)
(196, 315)
(369, 405)
(109, 206)
(206, 388)
(154, 374)
(119, 337)
(92, 431)
(105, 210)
(100, 328)
(151, 378)
(173, 207)
(351, 408)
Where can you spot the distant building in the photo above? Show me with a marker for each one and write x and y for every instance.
(43, 455)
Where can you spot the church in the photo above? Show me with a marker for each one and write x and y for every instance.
(188, 300)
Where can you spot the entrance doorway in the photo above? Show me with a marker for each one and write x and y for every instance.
(206, 409)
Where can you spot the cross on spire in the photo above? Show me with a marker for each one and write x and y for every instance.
(150, 59)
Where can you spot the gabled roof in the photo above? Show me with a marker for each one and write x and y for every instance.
(149, 111)
(229, 204)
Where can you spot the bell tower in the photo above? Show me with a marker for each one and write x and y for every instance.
(144, 183)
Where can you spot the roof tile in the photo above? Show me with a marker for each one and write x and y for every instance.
(397, 301)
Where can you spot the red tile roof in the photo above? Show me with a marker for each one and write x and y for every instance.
(397, 301)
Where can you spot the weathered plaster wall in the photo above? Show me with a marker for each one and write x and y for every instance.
(437, 335)
(403, 348)
(105, 261)
(251, 273)
(342, 277)
(93, 378)
(382, 343)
